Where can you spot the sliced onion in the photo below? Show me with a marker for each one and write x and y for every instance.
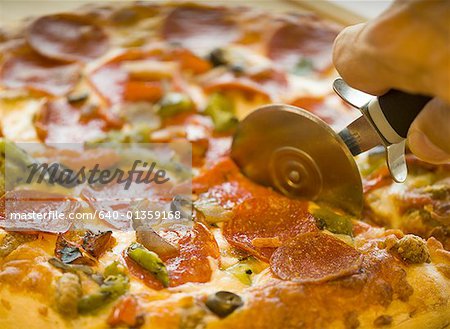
(154, 242)
(212, 211)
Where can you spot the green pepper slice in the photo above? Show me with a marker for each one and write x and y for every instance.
(150, 261)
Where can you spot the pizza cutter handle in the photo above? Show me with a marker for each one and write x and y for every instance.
(400, 109)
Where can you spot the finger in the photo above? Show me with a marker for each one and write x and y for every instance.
(428, 136)
(352, 59)
(400, 49)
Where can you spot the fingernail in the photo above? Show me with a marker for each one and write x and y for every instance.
(425, 149)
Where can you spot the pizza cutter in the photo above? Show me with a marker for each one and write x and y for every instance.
(299, 155)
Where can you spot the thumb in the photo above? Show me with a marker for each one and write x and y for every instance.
(429, 134)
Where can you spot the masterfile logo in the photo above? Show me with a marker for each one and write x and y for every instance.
(60, 187)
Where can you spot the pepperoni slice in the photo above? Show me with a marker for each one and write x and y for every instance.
(377, 179)
(259, 224)
(329, 108)
(315, 257)
(114, 84)
(60, 122)
(190, 265)
(136, 75)
(224, 183)
(37, 73)
(190, 62)
(110, 81)
(136, 91)
(311, 39)
(67, 37)
(200, 28)
(117, 198)
(88, 158)
(17, 204)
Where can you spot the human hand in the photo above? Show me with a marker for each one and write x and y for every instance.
(405, 48)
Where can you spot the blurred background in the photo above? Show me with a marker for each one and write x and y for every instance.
(347, 12)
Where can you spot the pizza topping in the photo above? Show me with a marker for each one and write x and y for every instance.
(268, 220)
(109, 80)
(211, 211)
(199, 28)
(236, 60)
(68, 293)
(148, 69)
(116, 85)
(225, 184)
(138, 134)
(77, 159)
(136, 91)
(192, 264)
(154, 242)
(218, 57)
(332, 221)
(67, 37)
(148, 76)
(69, 252)
(183, 205)
(61, 122)
(72, 268)
(149, 261)
(378, 178)
(293, 43)
(412, 249)
(113, 284)
(174, 103)
(304, 66)
(12, 240)
(221, 110)
(315, 257)
(112, 287)
(39, 74)
(245, 269)
(189, 62)
(78, 97)
(266, 242)
(126, 313)
(11, 173)
(329, 108)
(97, 243)
(223, 303)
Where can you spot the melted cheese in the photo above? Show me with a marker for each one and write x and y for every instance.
(17, 118)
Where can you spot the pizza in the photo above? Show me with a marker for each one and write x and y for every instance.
(248, 257)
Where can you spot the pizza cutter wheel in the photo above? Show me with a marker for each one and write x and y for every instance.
(297, 153)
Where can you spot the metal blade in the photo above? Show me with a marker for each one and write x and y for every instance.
(298, 154)
(354, 97)
(360, 136)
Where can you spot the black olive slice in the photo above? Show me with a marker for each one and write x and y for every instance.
(223, 303)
